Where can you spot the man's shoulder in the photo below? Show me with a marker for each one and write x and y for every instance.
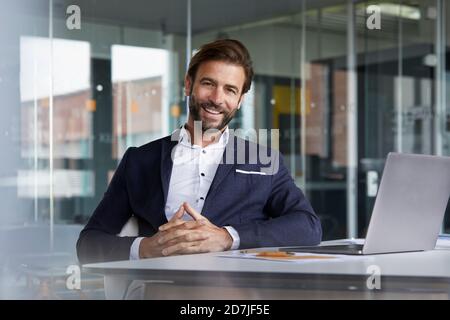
(155, 144)
(151, 149)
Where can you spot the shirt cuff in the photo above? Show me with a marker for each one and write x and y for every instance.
(134, 251)
(235, 235)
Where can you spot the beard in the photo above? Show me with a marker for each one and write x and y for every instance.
(195, 107)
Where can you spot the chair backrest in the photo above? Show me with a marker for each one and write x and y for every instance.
(130, 229)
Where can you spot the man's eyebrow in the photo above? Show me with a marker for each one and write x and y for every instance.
(232, 87)
(208, 79)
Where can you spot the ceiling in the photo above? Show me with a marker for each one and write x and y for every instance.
(171, 15)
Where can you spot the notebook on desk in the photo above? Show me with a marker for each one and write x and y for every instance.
(408, 211)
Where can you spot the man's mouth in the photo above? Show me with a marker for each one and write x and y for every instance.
(211, 110)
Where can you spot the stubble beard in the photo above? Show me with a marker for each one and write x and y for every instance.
(195, 107)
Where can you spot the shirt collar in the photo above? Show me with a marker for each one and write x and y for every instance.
(185, 138)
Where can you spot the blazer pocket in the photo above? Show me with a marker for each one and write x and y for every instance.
(251, 172)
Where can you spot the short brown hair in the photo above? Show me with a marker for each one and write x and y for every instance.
(228, 50)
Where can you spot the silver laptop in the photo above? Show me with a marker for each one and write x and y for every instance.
(409, 207)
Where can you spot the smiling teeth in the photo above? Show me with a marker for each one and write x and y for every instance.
(211, 111)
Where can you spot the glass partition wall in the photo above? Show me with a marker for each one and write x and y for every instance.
(343, 82)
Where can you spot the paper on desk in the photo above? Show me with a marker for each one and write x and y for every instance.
(295, 257)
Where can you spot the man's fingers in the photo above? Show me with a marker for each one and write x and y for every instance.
(182, 224)
(171, 235)
(178, 214)
(182, 236)
(183, 248)
(192, 212)
(171, 224)
(194, 224)
(174, 221)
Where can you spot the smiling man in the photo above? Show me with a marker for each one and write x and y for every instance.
(201, 189)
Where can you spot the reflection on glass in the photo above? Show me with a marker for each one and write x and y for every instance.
(68, 183)
(72, 102)
(72, 119)
(317, 111)
(140, 79)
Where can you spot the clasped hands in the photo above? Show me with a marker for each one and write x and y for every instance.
(185, 237)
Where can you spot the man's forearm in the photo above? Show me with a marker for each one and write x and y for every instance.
(98, 246)
(289, 229)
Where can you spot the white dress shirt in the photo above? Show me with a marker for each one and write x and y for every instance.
(193, 172)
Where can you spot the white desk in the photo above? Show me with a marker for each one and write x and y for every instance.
(415, 275)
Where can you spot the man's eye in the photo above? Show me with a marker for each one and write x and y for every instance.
(232, 91)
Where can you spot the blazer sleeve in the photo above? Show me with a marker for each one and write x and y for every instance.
(291, 219)
(98, 241)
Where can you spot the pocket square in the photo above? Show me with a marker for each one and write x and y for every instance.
(251, 172)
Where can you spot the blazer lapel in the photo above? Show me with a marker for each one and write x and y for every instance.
(166, 161)
(222, 171)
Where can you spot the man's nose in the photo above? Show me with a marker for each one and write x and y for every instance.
(217, 96)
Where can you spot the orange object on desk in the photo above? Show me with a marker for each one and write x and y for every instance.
(274, 254)
(290, 255)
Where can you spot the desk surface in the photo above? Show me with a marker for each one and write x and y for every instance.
(419, 270)
(435, 263)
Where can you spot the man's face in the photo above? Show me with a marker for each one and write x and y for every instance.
(216, 94)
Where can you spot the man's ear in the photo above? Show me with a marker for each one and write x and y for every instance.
(187, 85)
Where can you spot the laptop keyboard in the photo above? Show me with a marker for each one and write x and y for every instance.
(336, 249)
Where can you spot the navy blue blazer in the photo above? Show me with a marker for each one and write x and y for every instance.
(265, 209)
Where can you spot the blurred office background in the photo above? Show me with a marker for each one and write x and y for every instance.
(343, 95)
